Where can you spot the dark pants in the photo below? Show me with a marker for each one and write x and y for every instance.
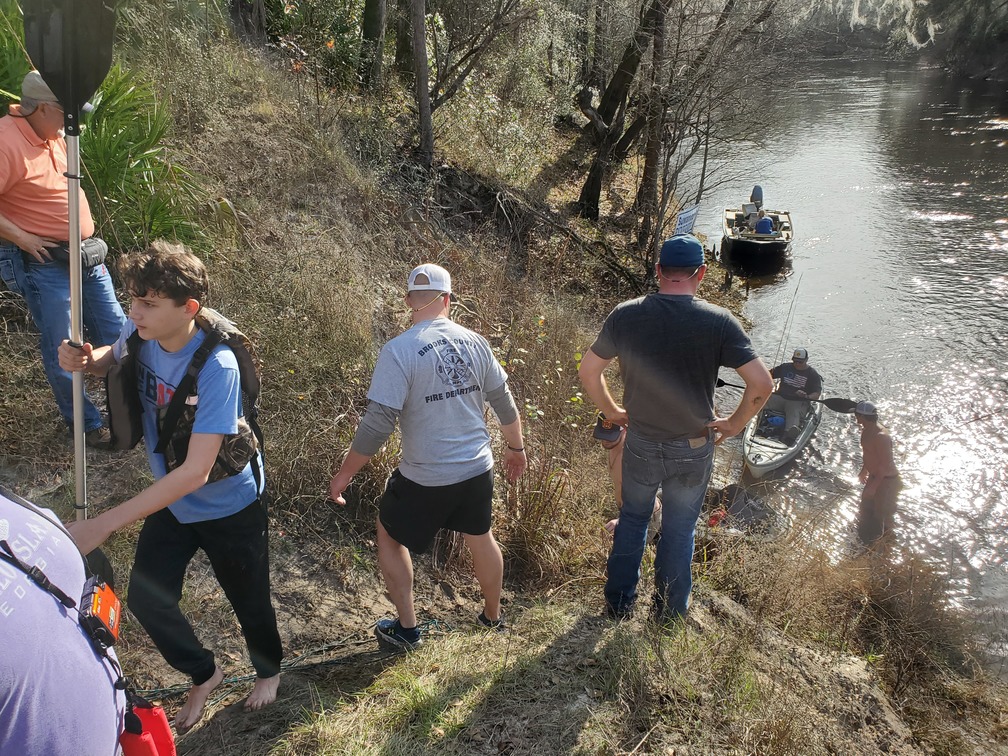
(877, 515)
(238, 549)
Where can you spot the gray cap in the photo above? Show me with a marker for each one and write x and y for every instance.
(34, 88)
(866, 409)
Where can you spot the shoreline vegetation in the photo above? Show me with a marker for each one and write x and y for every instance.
(303, 196)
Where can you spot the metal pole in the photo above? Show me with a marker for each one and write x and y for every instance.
(76, 320)
(70, 42)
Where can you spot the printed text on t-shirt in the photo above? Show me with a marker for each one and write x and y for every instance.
(155, 390)
(450, 394)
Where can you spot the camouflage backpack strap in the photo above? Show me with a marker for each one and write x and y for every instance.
(185, 389)
(133, 345)
(248, 369)
(227, 333)
(122, 396)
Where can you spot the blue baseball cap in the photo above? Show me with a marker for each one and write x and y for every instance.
(682, 251)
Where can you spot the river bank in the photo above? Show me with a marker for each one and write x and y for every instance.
(786, 652)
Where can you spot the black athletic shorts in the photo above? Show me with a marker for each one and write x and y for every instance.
(413, 514)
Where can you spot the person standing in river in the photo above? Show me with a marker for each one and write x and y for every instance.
(882, 482)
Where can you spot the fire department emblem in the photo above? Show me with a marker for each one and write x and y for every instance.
(454, 369)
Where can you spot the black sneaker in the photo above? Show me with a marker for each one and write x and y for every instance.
(498, 625)
(394, 637)
(620, 614)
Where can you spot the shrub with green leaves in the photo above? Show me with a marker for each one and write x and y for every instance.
(13, 59)
(138, 193)
(320, 34)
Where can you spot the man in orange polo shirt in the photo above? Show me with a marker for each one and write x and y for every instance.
(34, 225)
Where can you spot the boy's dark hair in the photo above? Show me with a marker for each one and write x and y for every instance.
(169, 269)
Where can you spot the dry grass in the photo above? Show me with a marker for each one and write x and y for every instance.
(566, 682)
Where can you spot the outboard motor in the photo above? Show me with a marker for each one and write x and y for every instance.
(757, 196)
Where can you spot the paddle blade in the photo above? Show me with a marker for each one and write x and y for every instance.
(838, 404)
(70, 43)
(719, 383)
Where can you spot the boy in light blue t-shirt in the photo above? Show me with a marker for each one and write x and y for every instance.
(183, 512)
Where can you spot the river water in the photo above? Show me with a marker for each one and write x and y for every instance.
(897, 181)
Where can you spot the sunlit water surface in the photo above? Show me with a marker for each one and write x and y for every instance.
(897, 182)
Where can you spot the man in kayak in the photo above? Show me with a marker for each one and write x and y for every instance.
(670, 345)
(881, 479)
(799, 382)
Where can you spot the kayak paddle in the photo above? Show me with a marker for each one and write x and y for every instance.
(837, 404)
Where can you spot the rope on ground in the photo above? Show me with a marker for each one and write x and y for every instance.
(431, 626)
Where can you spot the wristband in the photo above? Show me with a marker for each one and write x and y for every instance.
(511, 448)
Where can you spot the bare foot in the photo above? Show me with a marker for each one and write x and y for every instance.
(263, 693)
(192, 710)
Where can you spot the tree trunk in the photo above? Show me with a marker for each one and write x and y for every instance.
(596, 78)
(706, 153)
(403, 38)
(588, 200)
(647, 195)
(619, 86)
(249, 16)
(581, 43)
(372, 43)
(421, 80)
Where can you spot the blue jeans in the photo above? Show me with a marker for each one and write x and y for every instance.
(46, 290)
(683, 473)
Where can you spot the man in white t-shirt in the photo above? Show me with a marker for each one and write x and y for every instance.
(435, 379)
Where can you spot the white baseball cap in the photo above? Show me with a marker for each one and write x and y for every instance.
(800, 354)
(432, 278)
(866, 409)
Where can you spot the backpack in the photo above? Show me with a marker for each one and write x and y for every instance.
(175, 420)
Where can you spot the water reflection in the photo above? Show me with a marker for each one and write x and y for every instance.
(897, 181)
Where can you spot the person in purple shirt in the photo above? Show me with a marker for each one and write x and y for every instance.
(182, 511)
(57, 693)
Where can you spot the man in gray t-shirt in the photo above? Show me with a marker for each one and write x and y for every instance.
(670, 346)
(435, 380)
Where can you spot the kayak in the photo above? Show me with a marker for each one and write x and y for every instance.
(735, 512)
(763, 442)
